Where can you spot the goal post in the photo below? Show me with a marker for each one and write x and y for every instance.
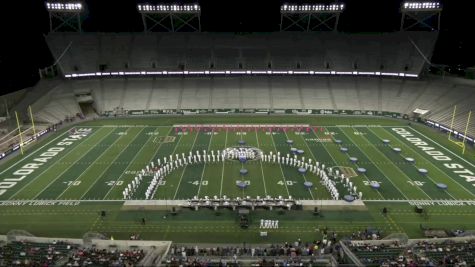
(464, 139)
(452, 122)
(466, 130)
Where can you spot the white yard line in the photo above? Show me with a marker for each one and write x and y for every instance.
(31, 154)
(174, 149)
(222, 171)
(406, 145)
(49, 167)
(436, 201)
(105, 169)
(204, 164)
(262, 168)
(59, 175)
(131, 161)
(304, 178)
(336, 162)
(469, 163)
(366, 155)
(184, 169)
(112, 162)
(281, 170)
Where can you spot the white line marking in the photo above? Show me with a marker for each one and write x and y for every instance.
(222, 172)
(49, 167)
(59, 175)
(262, 168)
(366, 155)
(304, 178)
(31, 154)
(184, 169)
(132, 160)
(336, 162)
(469, 163)
(174, 149)
(428, 176)
(93, 163)
(99, 177)
(205, 164)
(281, 170)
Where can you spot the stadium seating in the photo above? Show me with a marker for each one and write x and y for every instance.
(34, 254)
(388, 52)
(267, 93)
(33, 251)
(377, 255)
(324, 51)
(447, 252)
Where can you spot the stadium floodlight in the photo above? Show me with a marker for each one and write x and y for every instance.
(320, 8)
(145, 8)
(310, 17)
(171, 18)
(421, 6)
(420, 15)
(64, 15)
(64, 7)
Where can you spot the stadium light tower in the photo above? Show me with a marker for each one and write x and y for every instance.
(64, 16)
(420, 15)
(170, 18)
(319, 17)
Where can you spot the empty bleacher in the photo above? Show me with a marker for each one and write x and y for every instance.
(257, 92)
(319, 51)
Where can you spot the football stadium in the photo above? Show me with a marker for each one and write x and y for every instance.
(178, 146)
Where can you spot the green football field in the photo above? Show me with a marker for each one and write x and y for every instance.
(91, 168)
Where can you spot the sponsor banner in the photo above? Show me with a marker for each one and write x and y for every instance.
(241, 125)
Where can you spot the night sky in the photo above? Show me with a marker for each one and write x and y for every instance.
(25, 52)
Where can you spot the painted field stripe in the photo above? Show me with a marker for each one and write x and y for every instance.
(280, 167)
(131, 161)
(32, 153)
(110, 163)
(304, 178)
(262, 168)
(222, 172)
(336, 162)
(428, 160)
(174, 149)
(49, 167)
(369, 158)
(204, 164)
(57, 177)
(92, 164)
(448, 150)
(184, 169)
(414, 151)
(410, 170)
(448, 201)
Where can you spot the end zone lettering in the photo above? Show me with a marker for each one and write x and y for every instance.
(27, 169)
(456, 168)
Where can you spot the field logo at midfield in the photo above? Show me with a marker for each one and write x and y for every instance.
(23, 172)
(457, 168)
(347, 171)
(247, 152)
(164, 139)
